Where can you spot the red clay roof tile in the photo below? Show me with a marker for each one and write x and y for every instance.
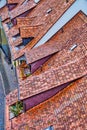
(34, 54)
(46, 18)
(31, 31)
(78, 22)
(4, 13)
(68, 105)
(21, 9)
(51, 78)
(68, 65)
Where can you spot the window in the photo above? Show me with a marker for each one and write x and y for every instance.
(50, 128)
(49, 10)
(19, 47)
(24, 43)
(73, 47)
(27, 40)
(9, 24)
(16, 36)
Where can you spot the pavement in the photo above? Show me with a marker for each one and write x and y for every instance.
(8, 75)
(8, 79)
(8, 82)
(2, 104)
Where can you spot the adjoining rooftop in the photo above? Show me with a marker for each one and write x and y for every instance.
(47, 39)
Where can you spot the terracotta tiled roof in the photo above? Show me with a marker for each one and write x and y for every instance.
(64, 66)
(4, 13)
(47, 20)
(24, 22)
(12, 1)
(66, 110)
(35, 18)
(56, 61)
(85, 44)
(74, 30)
(13, 31)
(83, 17)
(17, 42)
(51, 78)
(40, 12)
(21, 9)
(34, 54)
(41, 52)
(31, 31)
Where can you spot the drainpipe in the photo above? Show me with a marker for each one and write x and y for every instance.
(18, 87)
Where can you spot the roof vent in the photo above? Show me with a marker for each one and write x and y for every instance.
(49, 10)
(73, 47)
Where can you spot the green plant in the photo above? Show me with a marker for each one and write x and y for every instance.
(17, 108)
(15, 63)
(28, 75)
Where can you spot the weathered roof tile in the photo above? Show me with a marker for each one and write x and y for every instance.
(56, 76)
(21, 9)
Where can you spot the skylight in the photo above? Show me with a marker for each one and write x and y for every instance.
(49, 128)
(49, 10)
(73, 47)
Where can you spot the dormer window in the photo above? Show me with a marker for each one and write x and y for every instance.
(27, 40)
(24, 43)
(10, 25)
(21, 46)
(16, 36)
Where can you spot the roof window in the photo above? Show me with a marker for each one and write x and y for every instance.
(50, 128)
(49, 10)
(73, 47)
